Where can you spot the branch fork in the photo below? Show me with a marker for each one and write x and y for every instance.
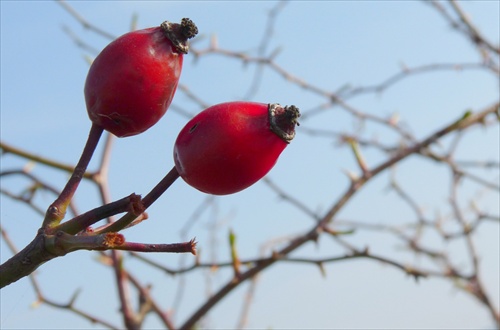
(55, 239)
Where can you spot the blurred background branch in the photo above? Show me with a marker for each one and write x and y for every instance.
(426, 244)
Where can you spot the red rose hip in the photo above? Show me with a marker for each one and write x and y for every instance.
(131, 83)
(230, 146)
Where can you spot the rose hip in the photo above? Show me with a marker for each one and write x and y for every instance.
(230, 146)
(131, 83)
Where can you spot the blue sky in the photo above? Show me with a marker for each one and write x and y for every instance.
(330, 44)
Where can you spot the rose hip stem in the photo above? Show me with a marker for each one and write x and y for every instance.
(56, 211)
(147, 201)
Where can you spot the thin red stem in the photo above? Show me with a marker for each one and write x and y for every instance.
(147, 201)
(185, 247)
(56, 211)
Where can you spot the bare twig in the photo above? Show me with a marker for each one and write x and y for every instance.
(70, 10)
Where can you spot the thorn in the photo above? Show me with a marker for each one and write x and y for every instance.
(322, 269)
(351, 175)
